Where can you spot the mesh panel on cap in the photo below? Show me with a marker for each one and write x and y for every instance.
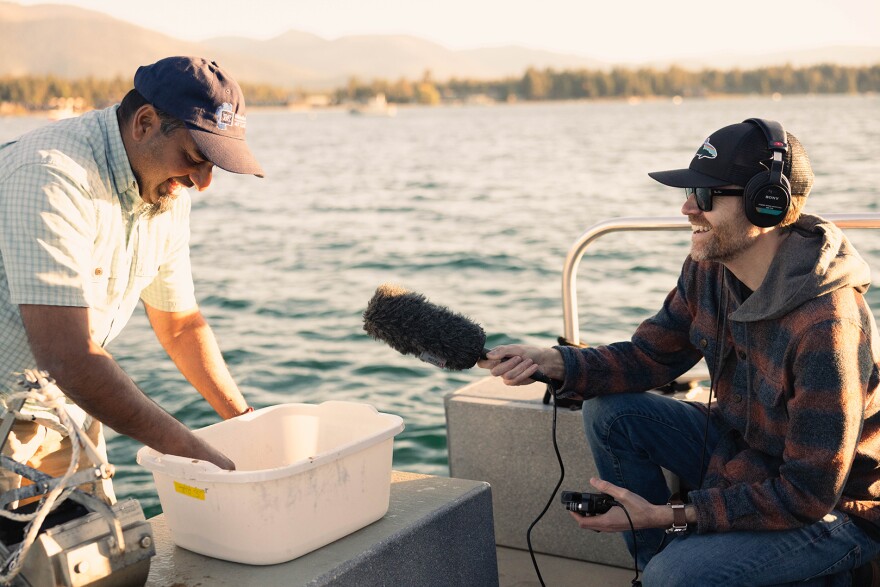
(797, 167)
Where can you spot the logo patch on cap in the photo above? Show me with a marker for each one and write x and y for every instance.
(706, 151)
(225, 115)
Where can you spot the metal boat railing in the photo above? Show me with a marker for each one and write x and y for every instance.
(577, 250)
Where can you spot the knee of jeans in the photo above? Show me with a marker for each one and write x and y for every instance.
(668, 570)
(599, 412)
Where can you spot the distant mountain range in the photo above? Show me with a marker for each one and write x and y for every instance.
(73, 42)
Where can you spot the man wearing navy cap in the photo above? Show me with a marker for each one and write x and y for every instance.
(95, 217)
(784, 469)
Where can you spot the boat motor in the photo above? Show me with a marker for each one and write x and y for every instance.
(65, 537)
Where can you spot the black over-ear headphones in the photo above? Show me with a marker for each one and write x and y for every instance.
(767, 195)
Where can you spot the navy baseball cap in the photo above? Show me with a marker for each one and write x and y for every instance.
(211, 104)
(735, 154)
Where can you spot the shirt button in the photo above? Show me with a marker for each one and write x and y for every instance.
(98, 271)
(704, 343)
(741, 355)
(737, 399)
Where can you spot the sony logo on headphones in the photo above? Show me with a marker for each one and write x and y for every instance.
(771, 197)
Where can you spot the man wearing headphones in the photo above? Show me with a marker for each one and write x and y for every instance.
(784, 468)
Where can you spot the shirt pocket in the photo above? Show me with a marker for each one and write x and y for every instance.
(147, 257)
(703, 342)
(103, 282)
(146, 268)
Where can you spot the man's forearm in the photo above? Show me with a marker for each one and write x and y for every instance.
(98, 385)
(88, 375)
(191, 344)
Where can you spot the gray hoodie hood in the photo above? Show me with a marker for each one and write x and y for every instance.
(814, 260)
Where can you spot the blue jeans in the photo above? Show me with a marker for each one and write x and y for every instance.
(634, 435)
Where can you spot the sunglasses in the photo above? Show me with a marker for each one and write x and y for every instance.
(704, 195)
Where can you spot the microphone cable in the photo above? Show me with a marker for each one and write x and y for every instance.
(551, 389)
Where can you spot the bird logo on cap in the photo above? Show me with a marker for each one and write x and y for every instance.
(706, 151)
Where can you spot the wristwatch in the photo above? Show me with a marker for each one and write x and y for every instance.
(679, 518)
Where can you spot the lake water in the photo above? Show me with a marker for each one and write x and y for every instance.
(475, 207)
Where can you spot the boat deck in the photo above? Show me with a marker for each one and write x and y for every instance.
(515, 570)
(438, 532)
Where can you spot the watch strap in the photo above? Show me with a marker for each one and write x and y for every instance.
(679, 517)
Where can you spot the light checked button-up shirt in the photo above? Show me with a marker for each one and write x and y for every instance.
(74, 232)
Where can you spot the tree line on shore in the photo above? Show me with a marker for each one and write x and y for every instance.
(44, 92)
(548, 84)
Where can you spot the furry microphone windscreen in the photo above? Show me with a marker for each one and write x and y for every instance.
(411, 325)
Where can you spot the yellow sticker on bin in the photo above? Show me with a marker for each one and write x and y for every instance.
(189, 490)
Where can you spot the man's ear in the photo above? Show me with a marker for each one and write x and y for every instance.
(144, 122)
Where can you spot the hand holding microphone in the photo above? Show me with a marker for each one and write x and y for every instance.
(516, 363)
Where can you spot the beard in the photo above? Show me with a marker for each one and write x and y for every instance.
(162, 193)
(724, 242)
(164, 204)
(164, 199)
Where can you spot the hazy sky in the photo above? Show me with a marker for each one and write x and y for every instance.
(611, 30)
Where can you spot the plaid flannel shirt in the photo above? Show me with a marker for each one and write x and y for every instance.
(797, 398)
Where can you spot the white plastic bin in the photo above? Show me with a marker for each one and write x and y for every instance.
(306, 475)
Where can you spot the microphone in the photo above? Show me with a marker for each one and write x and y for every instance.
(410, 324)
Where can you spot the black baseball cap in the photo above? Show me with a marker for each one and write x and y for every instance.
(211, 104)
(735, 154)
